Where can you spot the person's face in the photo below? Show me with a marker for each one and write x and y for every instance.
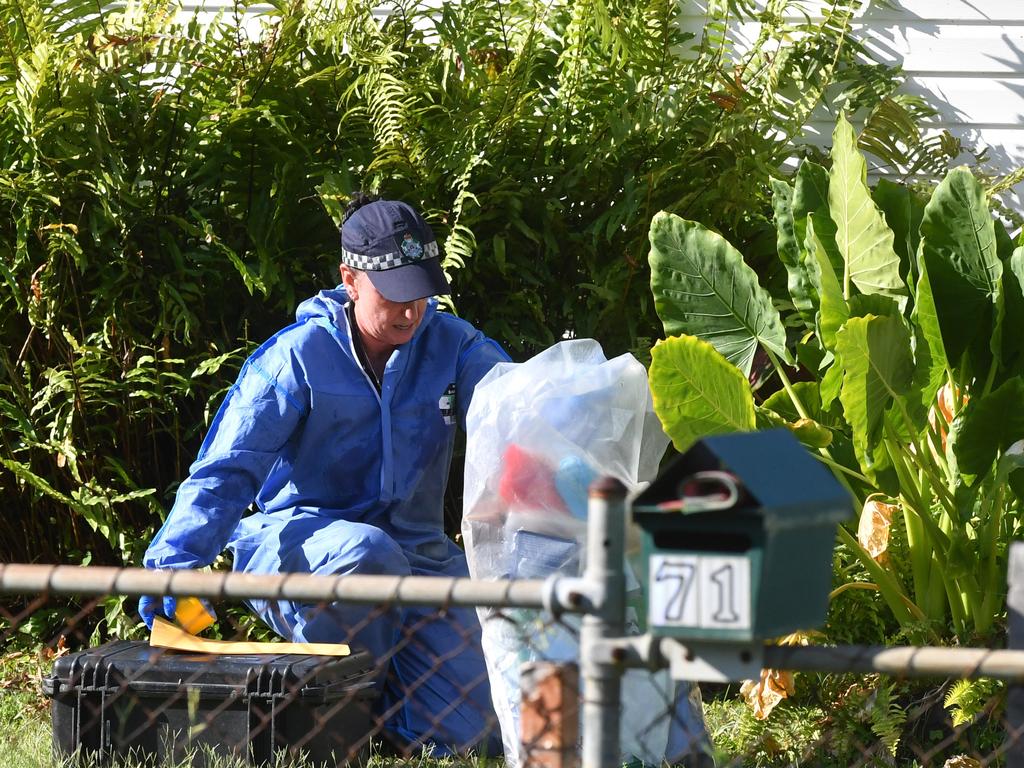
(382, 323)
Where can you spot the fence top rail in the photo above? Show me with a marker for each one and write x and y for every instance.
(524, 593)
(16, 578)
(724, 658)
(901, 661)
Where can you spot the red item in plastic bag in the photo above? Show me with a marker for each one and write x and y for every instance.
(529, 481)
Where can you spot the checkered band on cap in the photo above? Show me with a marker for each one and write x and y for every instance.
(384, 261)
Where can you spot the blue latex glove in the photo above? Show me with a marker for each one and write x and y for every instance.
(150, 606)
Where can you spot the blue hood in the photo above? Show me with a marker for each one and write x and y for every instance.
(330, 305)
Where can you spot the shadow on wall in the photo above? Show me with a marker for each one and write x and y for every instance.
(967, 65)
(1008, 155)
(962, 58)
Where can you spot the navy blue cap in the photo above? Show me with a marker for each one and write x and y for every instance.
(394, 246)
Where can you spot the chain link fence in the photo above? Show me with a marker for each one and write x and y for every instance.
(126, 702)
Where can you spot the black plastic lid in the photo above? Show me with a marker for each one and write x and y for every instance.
(142, 668)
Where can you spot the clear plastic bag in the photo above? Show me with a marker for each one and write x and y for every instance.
(537, 434)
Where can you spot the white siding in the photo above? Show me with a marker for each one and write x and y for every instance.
(965, 57)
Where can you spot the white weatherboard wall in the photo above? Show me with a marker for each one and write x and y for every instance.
(965, 57)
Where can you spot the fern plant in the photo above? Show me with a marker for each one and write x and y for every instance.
(142, 165)
(967, 699)
(553, 130)
(887, 717)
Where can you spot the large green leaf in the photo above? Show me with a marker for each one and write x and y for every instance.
(931, 364)
(697, 392)
(832, 310)
(810, 398)
(801, 286)
(809, 432)
(958, 249)
(810, 190)
(831, 383)
(703, 288)
(903, 209)
(810, 197)
(864, 304)
(1012, 296)
(988, 425)
(795, 207)
(862, 235)
(878, 368)
(1004, 243)
(782, 207)
(1010, 469)
(1010, 462)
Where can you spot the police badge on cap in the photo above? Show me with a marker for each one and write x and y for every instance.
(394, 246)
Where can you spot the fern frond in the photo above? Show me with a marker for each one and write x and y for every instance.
(893, 134)
(887, 718)
(1011, 179)
(572, 57)
(811, 66)
(957, 693)
(461, 242)
(68, 19)
(966, 699)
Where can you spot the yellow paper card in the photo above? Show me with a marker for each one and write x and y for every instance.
(167, 635)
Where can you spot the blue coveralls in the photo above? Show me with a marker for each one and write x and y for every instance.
(348, 480)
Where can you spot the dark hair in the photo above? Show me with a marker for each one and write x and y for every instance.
(358, 200)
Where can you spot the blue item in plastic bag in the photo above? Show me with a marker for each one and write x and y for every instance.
(572, 481)
(537, 555)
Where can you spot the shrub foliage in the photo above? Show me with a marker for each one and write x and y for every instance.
(167, 187)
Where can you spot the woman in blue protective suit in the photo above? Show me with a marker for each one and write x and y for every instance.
(340, 430)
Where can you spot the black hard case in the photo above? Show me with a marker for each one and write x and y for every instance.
(127, 699)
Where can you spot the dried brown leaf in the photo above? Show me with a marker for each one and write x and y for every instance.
(874, 527)
(764, 695)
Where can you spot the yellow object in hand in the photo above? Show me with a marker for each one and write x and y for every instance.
(192, 615)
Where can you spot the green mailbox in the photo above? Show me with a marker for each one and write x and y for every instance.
(737, 535)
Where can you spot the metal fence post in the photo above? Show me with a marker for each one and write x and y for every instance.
(602, 682)
(1015, 641)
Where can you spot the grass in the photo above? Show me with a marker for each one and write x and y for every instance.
(26, 741)
(26, 735)
(791, 736)
(24, 713)
(796, 734)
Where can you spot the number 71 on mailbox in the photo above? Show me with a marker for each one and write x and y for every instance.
(699, 591)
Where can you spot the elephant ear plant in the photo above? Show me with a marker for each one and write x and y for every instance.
(899, 365)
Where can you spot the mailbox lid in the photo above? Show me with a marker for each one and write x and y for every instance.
(777, 470)
(780, 481)
(765, 561)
